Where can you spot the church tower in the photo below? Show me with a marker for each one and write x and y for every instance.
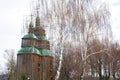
(34, 59)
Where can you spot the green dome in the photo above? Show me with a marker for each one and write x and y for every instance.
(31, 25)
(29, 50)
(37, 18)
(46, 52)
(30, 35)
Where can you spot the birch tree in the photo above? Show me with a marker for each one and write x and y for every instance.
(11, 64)
(85, 21)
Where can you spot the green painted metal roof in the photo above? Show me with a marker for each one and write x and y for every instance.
(41, 37)
(29, 50)
(46, 52)
(30, 35)
(37, 18)
(31, 25)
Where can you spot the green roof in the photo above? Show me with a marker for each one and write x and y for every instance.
(41, 37)
(30, 35)
(29, 50)
(37, 18)
(31, 24)
(46, 52)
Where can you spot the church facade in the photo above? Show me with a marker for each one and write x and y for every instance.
(34, 59)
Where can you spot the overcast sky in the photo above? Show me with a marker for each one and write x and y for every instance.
(115, 15)
(11, 21)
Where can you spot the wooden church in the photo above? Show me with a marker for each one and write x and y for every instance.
(34, 59)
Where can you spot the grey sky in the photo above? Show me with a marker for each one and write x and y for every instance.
(11, 20)
(115, 18)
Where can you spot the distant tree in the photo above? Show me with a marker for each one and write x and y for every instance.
(11, 64)
(115, 68)
(100, 63)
